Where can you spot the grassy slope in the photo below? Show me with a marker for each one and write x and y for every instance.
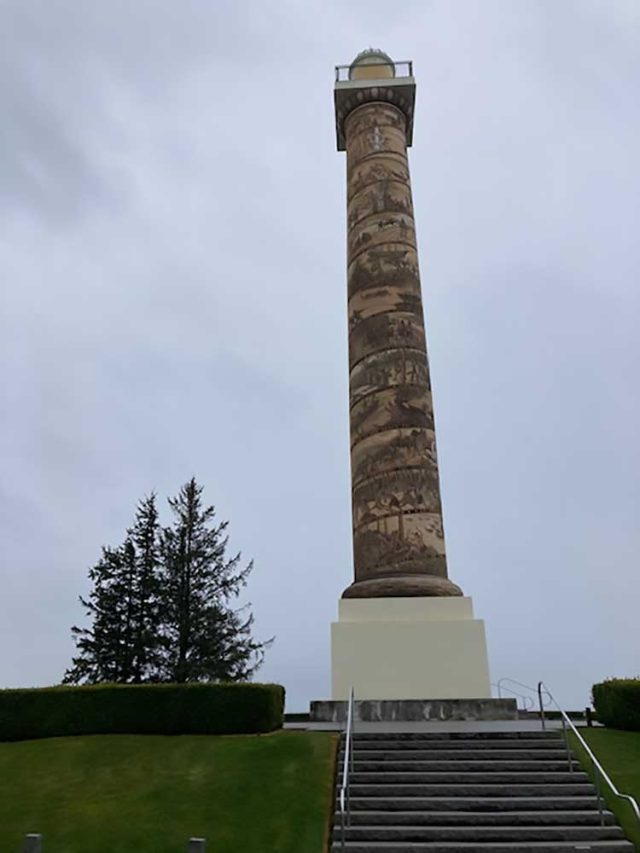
(619, 754)
(120, 793)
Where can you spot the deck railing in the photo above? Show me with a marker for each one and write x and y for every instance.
(400, 69)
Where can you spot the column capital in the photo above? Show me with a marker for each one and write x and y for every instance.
(396, 88)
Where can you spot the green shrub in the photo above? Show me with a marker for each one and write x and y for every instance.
(617, 703)
(168, 709)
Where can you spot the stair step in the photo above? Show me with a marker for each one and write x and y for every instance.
(476, 818)
(484, 833)
(455, 736)
(579, 804)
(421, 777)
(472, 790)
(427, 754)
(385, 765)
(619, 846)
(460, 746)
(430, 742)
(469, 755)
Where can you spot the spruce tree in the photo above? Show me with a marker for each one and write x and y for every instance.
(204, 638)
(146, 592)
(159, 604)
(123, 642)
(104, 650)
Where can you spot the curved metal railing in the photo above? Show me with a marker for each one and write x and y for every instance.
(347, 770)
(527, 701)
(532, 690)
(599, 772)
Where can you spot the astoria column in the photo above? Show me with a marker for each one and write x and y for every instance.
(404, 630)
(398, 539)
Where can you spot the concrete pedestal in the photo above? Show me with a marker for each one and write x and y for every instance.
(402, 711)
(409, 648)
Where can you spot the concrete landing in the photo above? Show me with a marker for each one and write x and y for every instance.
(426, 727)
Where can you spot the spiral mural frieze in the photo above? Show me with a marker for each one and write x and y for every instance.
(388, 369)
(392, 265)
(382, 331)
(375, 172)
(393, 450)
(398, 538)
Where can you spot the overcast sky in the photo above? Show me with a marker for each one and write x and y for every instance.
(172, 262)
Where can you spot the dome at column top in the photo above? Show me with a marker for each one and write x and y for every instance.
(371, 64)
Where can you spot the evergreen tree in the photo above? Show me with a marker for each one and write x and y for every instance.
(105, 651)
(123, 643)
(204, 638)
(159, 603)
(146, 591)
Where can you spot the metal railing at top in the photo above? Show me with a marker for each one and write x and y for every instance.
(400, 69)
(527, 701)
(532, 690)
(347, 770)
(599, 774)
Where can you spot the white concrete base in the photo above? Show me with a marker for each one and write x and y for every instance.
(409, 648)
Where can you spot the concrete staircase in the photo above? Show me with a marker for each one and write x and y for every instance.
(479, 792)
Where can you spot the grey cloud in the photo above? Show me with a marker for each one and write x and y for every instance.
(65, 70)
(43, 169)
(173, 303)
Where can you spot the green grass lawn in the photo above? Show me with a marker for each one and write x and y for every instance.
(619, 754)
(149, 794)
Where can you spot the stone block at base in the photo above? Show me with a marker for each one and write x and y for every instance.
(415, 710)
(409, 648)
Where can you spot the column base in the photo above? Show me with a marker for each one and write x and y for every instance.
(415, 710)
(409, 648)
(403, 586)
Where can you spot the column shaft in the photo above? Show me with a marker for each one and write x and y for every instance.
(398, 538)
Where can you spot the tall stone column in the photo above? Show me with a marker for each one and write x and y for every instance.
(404, 630)
(398, 539)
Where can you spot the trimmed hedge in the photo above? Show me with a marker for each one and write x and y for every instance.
(617, 703)
(166, 709)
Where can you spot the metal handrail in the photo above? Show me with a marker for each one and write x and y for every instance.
(527, 701)
(347, 769)
(342, 71)
(598, 770)
(526, 687)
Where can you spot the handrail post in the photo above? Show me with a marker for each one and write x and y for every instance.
(565, 735)
(349, 790)
(350, 758)
(541, 706)
(596, 775)
(350, 765)
(347, 769)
